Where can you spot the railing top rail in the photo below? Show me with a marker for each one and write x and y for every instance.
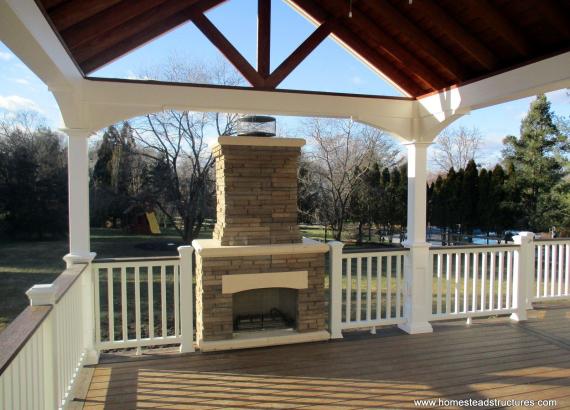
(473, 247)
(374, 250)
(137, 259)
(66, 279)
(552, 240)
(15, 336)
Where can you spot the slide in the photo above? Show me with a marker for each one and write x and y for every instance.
(152, 223)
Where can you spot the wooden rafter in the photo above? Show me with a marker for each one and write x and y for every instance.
(556, 17)
(70, 13)
(458, 34)
(145, 27)
(264, 37)
(391, 47)
(116, 18)
(444, 59)
(506, 29)
(228, 50)
(348, 37)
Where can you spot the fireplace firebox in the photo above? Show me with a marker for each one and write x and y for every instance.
(265, 309)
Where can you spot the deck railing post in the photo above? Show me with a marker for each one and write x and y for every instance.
(335, 288)
(523, 274)
(44, 295)
(88, 292)
(186, 299)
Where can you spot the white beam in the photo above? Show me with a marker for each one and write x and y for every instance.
(111, 101)
(24, 29)
(543, 76)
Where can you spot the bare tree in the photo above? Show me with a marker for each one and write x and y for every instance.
(341, 151)
(456, 147)
(175, 143)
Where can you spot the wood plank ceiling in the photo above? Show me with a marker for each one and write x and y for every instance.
(422, 47)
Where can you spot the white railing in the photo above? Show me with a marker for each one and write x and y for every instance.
(366, 288)
(472, 281)
(552, 259)
(137, 302)
(46, 346)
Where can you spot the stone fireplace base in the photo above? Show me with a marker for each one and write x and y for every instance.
(222, 271)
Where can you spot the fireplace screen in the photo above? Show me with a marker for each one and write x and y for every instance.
(260, 309)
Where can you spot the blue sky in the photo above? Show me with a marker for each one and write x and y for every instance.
(328, 68)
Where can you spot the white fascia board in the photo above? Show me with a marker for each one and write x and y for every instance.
(111, 101)
(24, 29)
(547, 75)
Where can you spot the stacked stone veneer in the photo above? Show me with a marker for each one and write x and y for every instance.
(256, 189)
(214, 319)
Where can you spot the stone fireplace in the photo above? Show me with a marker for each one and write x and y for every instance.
(258, 282)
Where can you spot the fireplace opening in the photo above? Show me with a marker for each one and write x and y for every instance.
(265, 309)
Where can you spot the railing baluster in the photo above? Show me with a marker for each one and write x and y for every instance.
(150, 293)
(97, 304)
(567, 273)
(137, 274)
(368, 288)
(457, 270)
(398, 286)
(509, 273)
(538, 269)
(492, 281)
(560, 272)
(358, 288)
(546, 269)
(176, 285)
(388, 287)
(163, 300)
(447, 283)
(110, 302)
(466, 265)
(124, 320)
(474, 288)
(500, 285)
(348, 289)
(554, 255)
(439, 280)
(379, 287)
(483, 278)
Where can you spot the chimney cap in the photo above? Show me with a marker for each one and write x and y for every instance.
(256, 126)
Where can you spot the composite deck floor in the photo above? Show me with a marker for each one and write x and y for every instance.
(493, 358)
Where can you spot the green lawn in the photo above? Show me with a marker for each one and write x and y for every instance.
(23, 264)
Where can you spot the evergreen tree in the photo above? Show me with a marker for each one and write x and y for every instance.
(536, 159)
(469, 197)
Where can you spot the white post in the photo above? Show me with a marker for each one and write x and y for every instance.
(335, 287)
(44, 295)
(417, 306)
(186, 299)
(78, 192)
(523, 277)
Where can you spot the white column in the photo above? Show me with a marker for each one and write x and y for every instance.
(335, 286)
(523, 277)
(417, 283)
(78, 192)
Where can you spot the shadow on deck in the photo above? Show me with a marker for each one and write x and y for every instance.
(493, 358)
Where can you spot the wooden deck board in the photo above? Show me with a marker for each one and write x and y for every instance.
(493, 358)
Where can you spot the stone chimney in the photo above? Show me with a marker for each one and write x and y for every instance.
(256, 189)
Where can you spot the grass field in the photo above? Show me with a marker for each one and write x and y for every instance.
(23, 263)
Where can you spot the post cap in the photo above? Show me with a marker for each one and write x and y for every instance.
(41, 295)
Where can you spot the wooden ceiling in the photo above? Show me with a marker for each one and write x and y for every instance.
(423, 47)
